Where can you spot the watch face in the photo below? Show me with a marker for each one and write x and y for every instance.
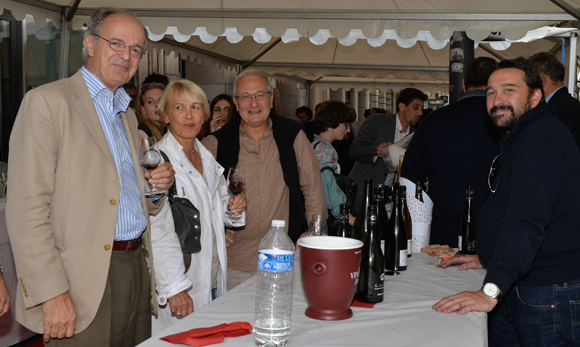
(490, 290)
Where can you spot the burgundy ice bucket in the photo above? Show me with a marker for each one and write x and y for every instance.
(329, 267)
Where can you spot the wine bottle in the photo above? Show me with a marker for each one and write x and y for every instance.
(382, 219)
(408, 221)
(467, 241)
(371, 282)
(418, 191)
(396, 246)
(401, 157)
(359, 226)
(343, 226)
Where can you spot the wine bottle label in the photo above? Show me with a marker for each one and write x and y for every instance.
(403, 257)
(472, 246)
(383, 246)
(459, 242)
(409, 246)
(380, 285)
(275, 260)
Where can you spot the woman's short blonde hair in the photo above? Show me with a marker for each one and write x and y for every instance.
(187, 90)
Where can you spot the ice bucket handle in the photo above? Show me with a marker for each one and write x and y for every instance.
(318, 269)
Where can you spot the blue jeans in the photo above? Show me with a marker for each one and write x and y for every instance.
(538, 316)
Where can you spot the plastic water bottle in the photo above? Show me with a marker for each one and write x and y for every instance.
(274, 290)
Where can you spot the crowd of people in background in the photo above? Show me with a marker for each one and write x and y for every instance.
(86, 237)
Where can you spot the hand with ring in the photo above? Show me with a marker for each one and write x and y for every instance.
(181, 304)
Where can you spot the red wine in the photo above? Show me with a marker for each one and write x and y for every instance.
(236, 187)
(150, 166)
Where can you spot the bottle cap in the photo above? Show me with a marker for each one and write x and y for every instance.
(277, 223)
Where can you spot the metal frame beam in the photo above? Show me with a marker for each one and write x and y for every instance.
(246, 64)
(322, 15)
(400, 84)
(200, 50)
(568, 8)
(358, 66)
(64, 41)
(572, 65)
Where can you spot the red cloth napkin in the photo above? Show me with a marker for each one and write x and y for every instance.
(356, 303)
(208, 336)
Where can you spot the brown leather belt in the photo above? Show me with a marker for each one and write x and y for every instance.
(128, 246)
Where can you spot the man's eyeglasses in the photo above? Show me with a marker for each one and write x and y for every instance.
(247, 98)
(493, 178)
(118, 45)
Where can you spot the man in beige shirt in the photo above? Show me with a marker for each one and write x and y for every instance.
(282, 172)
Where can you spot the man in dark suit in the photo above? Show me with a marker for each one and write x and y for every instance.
(379, 131)
(454, 148)
(561, 103)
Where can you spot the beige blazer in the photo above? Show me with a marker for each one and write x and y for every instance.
(63, 200)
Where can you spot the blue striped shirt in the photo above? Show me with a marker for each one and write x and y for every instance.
(131, 219)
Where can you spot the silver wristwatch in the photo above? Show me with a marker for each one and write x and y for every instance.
(491, 290)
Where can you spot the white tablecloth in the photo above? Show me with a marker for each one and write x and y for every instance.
(405, 318)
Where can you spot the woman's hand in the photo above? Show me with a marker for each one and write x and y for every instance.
(4, 297)
(217, 122)
(229, 237)
(181, 304)
(237, 202)
(163, 176)
(351, 219)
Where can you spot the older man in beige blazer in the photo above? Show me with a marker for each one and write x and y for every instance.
(66, 196)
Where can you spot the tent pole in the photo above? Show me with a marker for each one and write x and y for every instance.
(65, 26)
(572, 64)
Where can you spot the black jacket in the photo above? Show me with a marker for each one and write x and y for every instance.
(454, 148)
(529, 229)
(567, 109)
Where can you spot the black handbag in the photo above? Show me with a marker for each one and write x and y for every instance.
(185, 218)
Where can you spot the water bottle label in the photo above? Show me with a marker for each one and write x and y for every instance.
(281, 261)
(409, 246)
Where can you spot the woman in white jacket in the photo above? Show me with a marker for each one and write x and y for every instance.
(199, 178)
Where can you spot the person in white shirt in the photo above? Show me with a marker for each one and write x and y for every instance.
(199, 178)
(379, 131)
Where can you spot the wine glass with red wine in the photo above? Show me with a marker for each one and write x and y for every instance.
(150, 158)
(236, 185)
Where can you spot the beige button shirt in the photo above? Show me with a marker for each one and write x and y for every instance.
(267, 193)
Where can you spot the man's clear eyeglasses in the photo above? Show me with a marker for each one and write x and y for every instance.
(246, 98)
(493, 177)
(118, 45)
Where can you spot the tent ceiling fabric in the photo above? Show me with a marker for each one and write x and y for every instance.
(372, 17)
(366, 42)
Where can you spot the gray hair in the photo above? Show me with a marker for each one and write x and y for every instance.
(95, 25)
(256, 73)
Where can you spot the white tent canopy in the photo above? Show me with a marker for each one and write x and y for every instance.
(337, 43)
(441, 18)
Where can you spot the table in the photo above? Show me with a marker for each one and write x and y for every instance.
(11, 331)
(405, 318)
